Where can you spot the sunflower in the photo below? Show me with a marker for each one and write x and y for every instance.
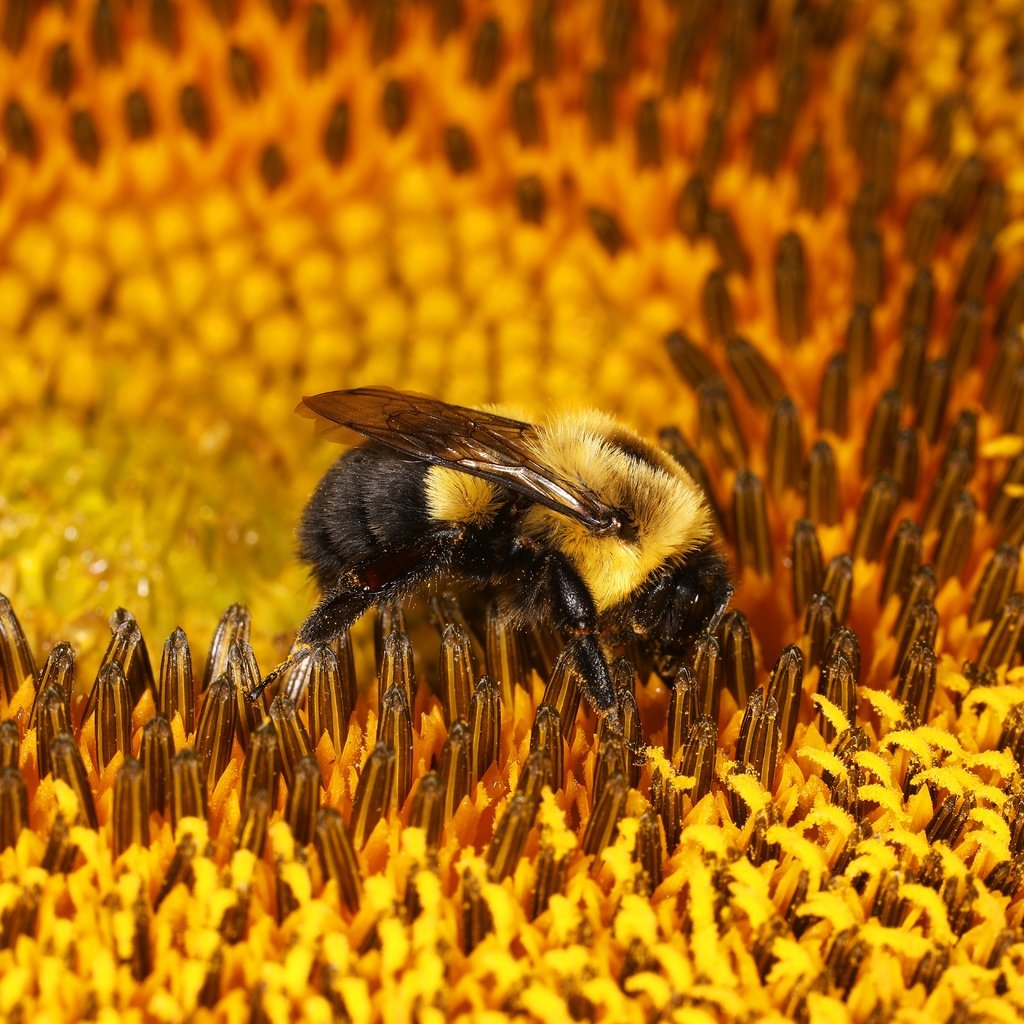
(784, 238)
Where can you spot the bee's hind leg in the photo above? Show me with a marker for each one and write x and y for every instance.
(337, 610)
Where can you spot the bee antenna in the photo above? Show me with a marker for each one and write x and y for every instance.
(293, 659)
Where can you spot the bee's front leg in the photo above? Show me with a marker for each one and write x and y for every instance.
(575, 612)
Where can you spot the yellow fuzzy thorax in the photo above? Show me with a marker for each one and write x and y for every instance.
(666, 508)
(454, 497)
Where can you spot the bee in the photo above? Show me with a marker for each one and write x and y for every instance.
(575, 520)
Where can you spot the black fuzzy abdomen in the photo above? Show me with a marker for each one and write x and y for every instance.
(370, 503)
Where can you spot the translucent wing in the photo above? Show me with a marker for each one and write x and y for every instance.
(478, 443)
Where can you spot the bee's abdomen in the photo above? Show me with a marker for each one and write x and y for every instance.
(370, 503)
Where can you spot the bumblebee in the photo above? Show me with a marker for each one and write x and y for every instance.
(574, 520)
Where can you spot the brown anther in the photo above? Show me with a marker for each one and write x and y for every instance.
(272, 166)
(692, 207)
(456, 770)
(737, 664)
(551, 873)
(1011, 739)
(19, 131)
(977, 271)
(113, 715)
(155, 754)
(509, 838)
(997, 583)
(215, 731)
(750, 519)
(964, 190)
(860, 344)
(600, 106)
(67, 764)
(318, 40)
(326, 700)
(138, 116)
(711, 147)
(791, 289)
(732, 255)
(604, 818)
(337, 855)
(395, 729)
(106, 45)
(373, 793)
(384, 27)
(919, 304)
(698, 757)
(252, 825)
(546, 738)
(624, 676)
(244, 678)
(543, 43)
(814, 178)
(922, 624)
(819, 623)
(906, 462)
(1010, 310)
(755, 374)
(261, 768)
(176, 692)
(526, 119)
(188, 790)
(485, 726)
(606, 228)
(693, 366)
(869, 269)
(948, 483)
(648, 852)
(878, 450)
(427, 811)
(793, 90)
(130, 814)
(648, 134)
(707, 675)
(10, 743)
(920, 584)
(303, 800)
(1008, 361)
(535, 775)
(563, 691)
(62, 71)
(293, 741)
(874, 516)
(784, 687)
(16, 661)
(85, 138)
(834, 396)
(916, 685)
(53, 718)
(476, 916)
(505, 656)
(235, 625)
(394, 105)
(244, 74)
(955, 537)
(949, 819)
(806, 561)
(785, 448)
(58, 671)
(396, 660)
(838, 584)
(459, 149)
(13, 806)
(719, 321)
(610, 762)
(822, 485)
(163, 24)
(838, 683)
(766, 144)
(1004, 634)
(336, 133)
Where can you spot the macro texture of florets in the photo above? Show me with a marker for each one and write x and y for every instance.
(784, 238)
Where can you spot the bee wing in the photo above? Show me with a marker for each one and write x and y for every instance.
(479, 443)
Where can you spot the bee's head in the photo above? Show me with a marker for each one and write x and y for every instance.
(680, 604)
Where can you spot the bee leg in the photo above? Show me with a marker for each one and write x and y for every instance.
(575, 611)
(385, 578)
(337, 610)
